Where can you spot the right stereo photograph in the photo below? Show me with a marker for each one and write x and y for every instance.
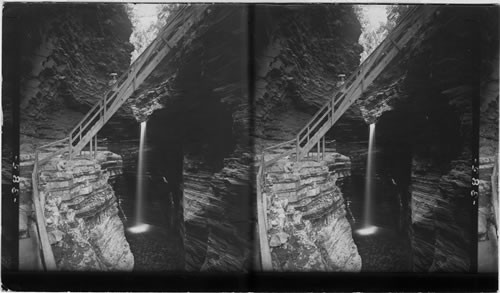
(376, 138)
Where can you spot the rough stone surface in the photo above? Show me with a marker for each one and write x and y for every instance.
(308, 228)
(216, 214)
(295, 76)
(437, 141)
(81, 212)
(297, 64)
(67, 57)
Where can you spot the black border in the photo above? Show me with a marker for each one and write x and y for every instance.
(11, 73)
(279, 282)
(252, 281)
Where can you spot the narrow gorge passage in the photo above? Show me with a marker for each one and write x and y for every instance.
(422, 105)
(404, 180)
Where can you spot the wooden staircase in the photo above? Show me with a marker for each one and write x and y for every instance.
(313, 133)
(85, 133)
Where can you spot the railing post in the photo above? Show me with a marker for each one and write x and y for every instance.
(70, 147)
(297, 148)
(103, 112)
(90, 147)
(323, 147)
(35, 166)
(317, 151)
(95, 147)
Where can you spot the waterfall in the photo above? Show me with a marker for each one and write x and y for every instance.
(368, 227)
(370, 166)
(140, 226)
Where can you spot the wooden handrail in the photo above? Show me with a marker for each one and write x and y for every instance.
(128, 82)
(345, 96)
(85, 131)
(356, 84)
(265, 252)
(47, 254)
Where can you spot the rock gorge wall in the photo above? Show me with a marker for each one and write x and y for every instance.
(81, 211)
(217, 214)
(66, 55)
(423, 105)
(196, 105)
(300, 50)
(63, 55)
(308, 228)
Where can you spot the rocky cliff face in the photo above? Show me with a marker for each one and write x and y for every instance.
(427, 98)
(64, 55)
(67, 55)
(300, 50)
(216, 214)
(81, 212)
(196, 104)
(308, 228)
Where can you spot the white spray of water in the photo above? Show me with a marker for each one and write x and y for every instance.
(369, 187)
(139, 222)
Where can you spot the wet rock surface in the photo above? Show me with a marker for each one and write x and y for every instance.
(308, 228)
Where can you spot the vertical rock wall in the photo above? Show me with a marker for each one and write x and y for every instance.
(300, 50)
(432, 86)
(217, 213)
(67, 52)
(308, 228)
(81, 212)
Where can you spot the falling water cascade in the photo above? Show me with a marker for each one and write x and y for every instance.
(368, 228)
(140, 226)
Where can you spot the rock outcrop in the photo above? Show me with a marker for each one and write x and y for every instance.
(64, 55)
(81, 211)
(298, 61)
(67, 54)
(217, 214)
(300, 50)
(423, 106)
(308, 228)
(197, 107)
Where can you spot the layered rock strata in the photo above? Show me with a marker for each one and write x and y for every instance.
(435, 133)
(197, 106)
(81, 211)
(300, 51)
(298, 61)
(308, 228)
(217, 214)
(68, 54)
